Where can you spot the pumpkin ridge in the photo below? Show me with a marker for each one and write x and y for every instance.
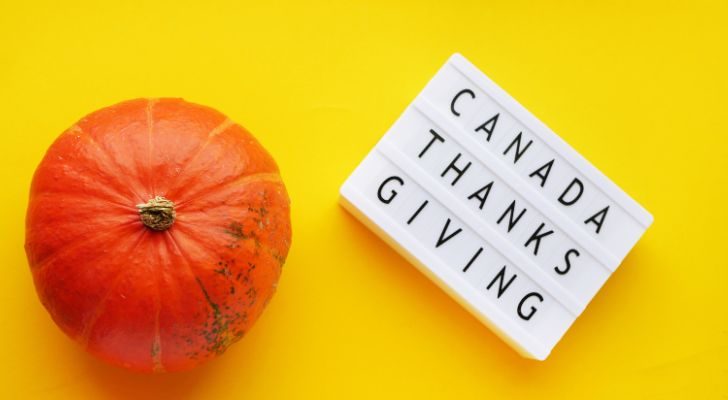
(99, 236)
(99, 308)
(150, 124)
(200, 244)
(241, 179)
(156, 350)
(119, 169)
(175, 250)
(105, 167)
(85, 196)
(220, 128)
(217, 314)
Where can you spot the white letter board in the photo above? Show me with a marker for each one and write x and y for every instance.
(495, 208)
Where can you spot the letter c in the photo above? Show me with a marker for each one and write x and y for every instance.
(454, 99)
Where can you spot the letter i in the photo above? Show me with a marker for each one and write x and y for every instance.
(472, 259)
(422, 206)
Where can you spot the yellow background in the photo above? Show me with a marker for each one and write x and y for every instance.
(639, 89)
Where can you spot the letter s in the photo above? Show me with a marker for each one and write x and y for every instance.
(567, 260)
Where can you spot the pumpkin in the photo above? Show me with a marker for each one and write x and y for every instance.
(156, 231)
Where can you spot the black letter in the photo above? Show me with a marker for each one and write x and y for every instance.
(485, 190)
(511, 210)
(576, 181)
(598, 223)
(444, 239)
(488, 129)
(459, 171)
(500, 277)
(537, 236)
(519, 151)
(567, 261)
(545, 174)
(533, 309)
(435, 136)
(472, 259)
(393, 192)
(422, 206)
(454, 99)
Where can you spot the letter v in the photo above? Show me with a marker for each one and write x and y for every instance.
(444, 238)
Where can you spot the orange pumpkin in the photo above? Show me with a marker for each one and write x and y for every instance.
(156, 232)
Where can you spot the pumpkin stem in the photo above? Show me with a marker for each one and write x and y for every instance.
(158, 213)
